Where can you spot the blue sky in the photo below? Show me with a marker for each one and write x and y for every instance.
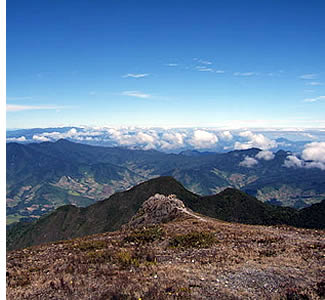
(165, 63)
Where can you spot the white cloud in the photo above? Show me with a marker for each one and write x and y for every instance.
(308, 76)
(293, 161)
(226, 135)
(315, 164)
(135, 75)
(248, 162)
(255, 140)
(114, 132)
(14, 107)
(145, 138)
(40, 138)
(172, 140)
(219, 71)
(172, 65)
(244, 73)
(18, 139)
(72, 133)
(140, 138)
(314, 151)
(203, 139)
(136, 94)
(265, 154)
(314, 99)
(313, 157)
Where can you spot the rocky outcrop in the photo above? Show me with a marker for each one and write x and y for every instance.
(159, 209)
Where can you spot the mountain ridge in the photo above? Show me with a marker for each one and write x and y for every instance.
(108, 215)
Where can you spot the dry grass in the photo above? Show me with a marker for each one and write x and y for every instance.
(208, 260)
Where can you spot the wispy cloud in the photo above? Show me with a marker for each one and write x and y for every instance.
(14, 107)
(136, 94)
(275, 73)
(204, 69)
(204, 62)
(308, 76)
(135, 75)
(244, 73)
(319, 98)
(314, 83)
(172, 65)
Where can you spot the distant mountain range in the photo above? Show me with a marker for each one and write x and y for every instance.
(232, 205)
(44, 176)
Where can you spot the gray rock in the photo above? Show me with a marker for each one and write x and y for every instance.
(158, 209)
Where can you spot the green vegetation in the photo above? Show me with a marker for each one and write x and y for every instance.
(145, 235)
(126, 259)
(193, 240)
(94, 257)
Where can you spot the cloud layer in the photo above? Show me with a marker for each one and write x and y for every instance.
(179, 139)
(254, 141)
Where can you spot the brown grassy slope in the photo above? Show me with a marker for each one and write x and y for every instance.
(183, 259)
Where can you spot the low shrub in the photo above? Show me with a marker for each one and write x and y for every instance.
(126, 259)
(99, 256)
(193, 240)
(145, 235)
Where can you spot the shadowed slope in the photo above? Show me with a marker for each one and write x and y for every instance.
(108, 215)
(235, 206)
